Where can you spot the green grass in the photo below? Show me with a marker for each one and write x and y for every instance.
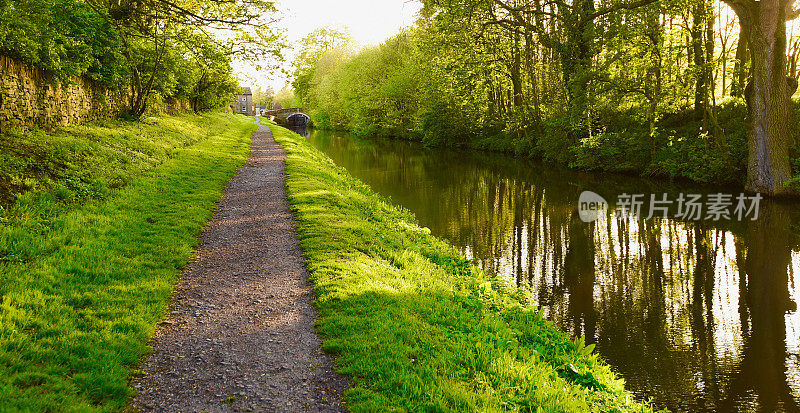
(98, 222)
(414, 324)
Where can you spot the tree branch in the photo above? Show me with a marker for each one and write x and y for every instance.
(244, 20)
(518, 20)
(610, 9)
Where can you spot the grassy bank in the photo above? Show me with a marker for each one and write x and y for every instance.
(414, 324)
(97, 223)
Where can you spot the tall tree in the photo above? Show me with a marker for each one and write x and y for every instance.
(312, 48)
(768, 93)
(152, 29)
(576, 47)
(739, 69)
(703, 55)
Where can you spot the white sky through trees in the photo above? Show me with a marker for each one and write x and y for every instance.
(370, 22)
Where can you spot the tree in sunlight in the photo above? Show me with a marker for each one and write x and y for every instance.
(311, 49)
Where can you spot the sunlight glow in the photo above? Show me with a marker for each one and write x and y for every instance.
(368, 21)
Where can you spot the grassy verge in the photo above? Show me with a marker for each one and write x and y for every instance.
(98, 221)
(414, 324)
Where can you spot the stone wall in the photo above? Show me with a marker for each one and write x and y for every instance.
(30, 98)
(169, 105)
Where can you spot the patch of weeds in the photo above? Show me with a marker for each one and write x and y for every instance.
(138, 373)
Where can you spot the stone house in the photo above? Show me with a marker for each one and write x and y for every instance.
(244, 103)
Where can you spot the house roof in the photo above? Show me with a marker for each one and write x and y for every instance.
(246, 91)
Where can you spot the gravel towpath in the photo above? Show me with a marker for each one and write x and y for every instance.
(240, 335)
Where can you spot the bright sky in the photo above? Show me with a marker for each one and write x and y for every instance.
(369, 21)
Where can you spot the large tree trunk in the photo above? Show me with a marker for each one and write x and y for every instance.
(768, 98)
(767, 94)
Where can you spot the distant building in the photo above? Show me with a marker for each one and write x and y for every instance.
(244, 103)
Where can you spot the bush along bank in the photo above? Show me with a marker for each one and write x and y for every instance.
(424, 84)
(677, 149)
(414, 324)
(98, 222)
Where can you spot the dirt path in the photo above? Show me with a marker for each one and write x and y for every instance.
(240, 334)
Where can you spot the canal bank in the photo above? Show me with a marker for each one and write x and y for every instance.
(416, 325)
(697, 315)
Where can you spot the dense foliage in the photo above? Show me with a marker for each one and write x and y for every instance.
(65, 37)
(152, 49)
(286, 98)
(655, 88)
(414, 324)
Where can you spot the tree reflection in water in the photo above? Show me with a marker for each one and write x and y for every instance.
(697, 315)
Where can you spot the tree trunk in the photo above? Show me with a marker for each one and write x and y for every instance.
(577, 55)
(655, 33)
(699, 60)
(516, 71)
(794, 54)
(531, 61)
(708, 66)
(768, 97)
(739, 67)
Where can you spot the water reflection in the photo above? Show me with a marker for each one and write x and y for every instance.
(697, 315)
(301, 130)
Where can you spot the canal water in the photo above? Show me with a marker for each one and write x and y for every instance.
(695, 315)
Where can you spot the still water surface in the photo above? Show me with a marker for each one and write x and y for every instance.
(695, 315)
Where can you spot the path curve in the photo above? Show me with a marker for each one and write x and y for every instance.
(240, 335)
